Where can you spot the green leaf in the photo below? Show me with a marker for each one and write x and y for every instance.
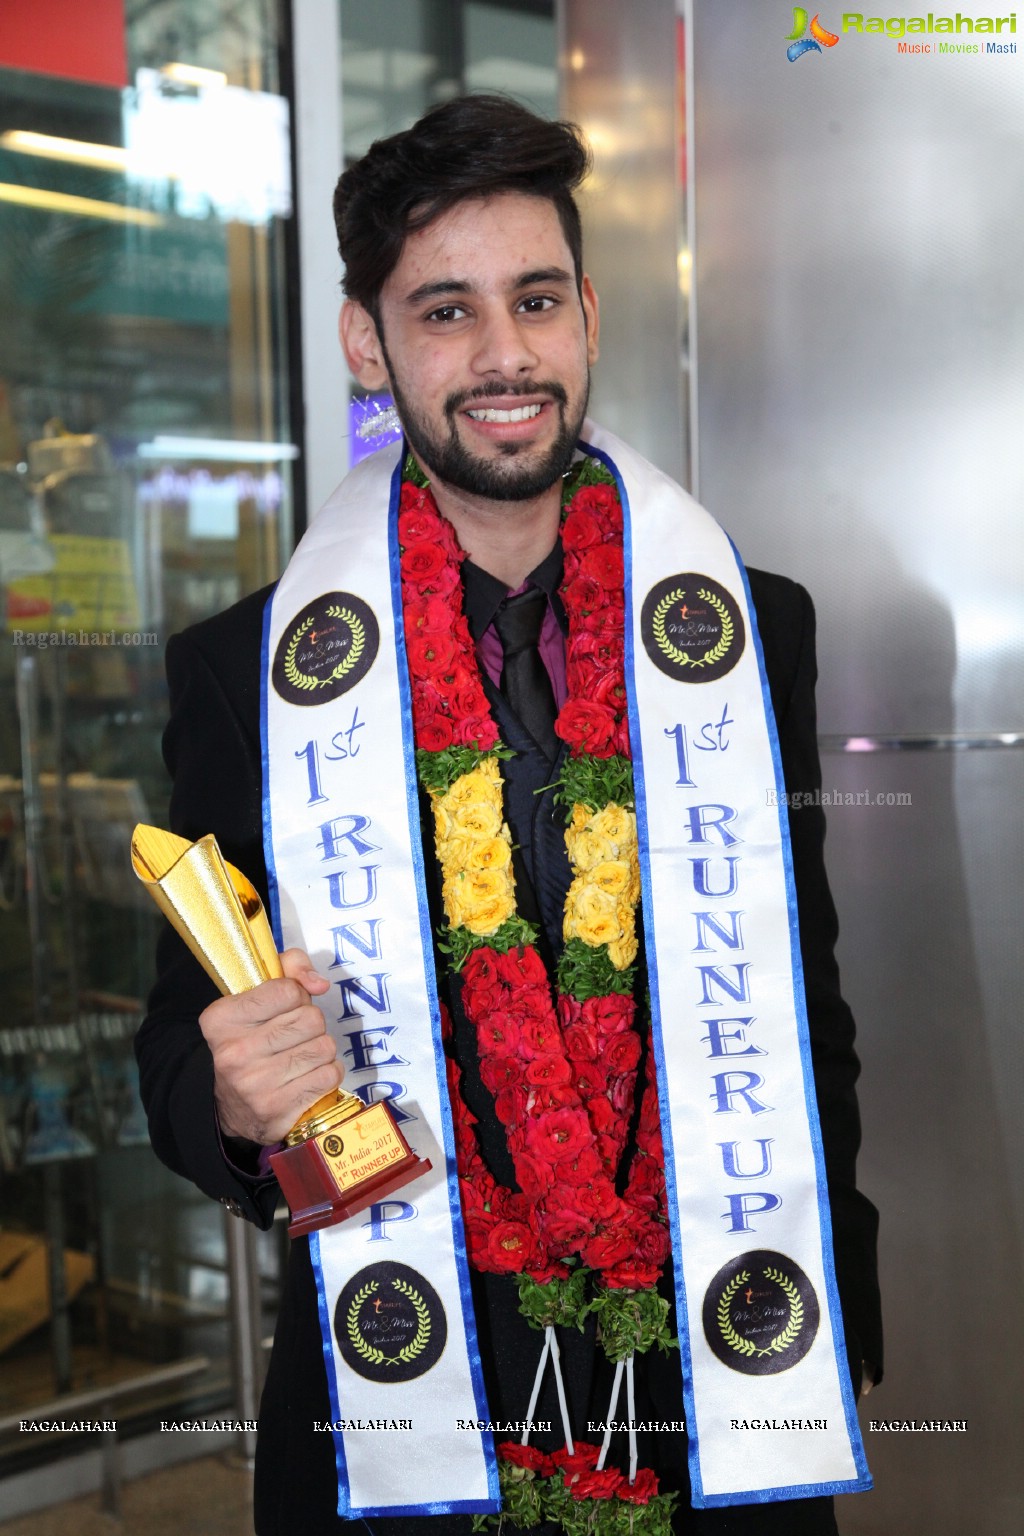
(458, 943)
(632, 1322)
(584, 972)
(595, 782)
(559, 1302)
(438, 771)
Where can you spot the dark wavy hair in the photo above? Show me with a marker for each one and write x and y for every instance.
(473, 146)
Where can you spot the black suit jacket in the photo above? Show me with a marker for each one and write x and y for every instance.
(212, 748)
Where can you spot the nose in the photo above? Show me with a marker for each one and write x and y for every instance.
(504, 345)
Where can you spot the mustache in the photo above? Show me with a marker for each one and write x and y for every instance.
(497, 390)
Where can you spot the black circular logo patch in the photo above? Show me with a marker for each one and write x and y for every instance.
(325, 650)
(760, 1313)
(333, 1146)
(692, 628)
(389, 1323)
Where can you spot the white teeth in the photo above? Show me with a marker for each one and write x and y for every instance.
(521, 413)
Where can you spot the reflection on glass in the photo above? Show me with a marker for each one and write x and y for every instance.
(146, 464)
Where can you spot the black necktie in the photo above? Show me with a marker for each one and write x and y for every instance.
(524, 678)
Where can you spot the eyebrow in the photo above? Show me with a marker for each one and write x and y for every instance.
(450, 286)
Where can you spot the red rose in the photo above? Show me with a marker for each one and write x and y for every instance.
(581, 529)
(542, 1070)
(630, 1276)
(430, 655)
(610, 689)
(586, 1165)
(602, 1116)
(510, 1245)
(594, 1485)
(598, 1201)
(583, 1457)
(620, 1053)
(559, 1136)
(650, 1115)
(653, 1243)
(607, 619)
(498, 1072)
(643, 1488)
(540, 1034)
(609, 1015)
(550, 1096)
(510, 1107)
(622, 1093)
(481, 966)
(426, 616)
(589, 1078)
(604, 564)
(581, 1042)
(498, 1034)
(522, 966)
(608, 1247)
(583, 594)
(534, 1175)
(435, 734)
(421, 563)
(587, 727)
(476, 731)
(527, 1456)
(602, 501)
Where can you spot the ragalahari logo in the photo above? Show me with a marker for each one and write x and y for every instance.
(799, 44)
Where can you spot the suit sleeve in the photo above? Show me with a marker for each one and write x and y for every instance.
(217, 788)
(836, 1068)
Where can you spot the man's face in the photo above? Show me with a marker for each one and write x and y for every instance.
(488, 346)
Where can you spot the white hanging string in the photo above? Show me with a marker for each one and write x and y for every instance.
(562, 1404)
(606, 1442)
(542, 1362)
(631, 1410)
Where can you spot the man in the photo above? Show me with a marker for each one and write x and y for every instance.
(466, 297)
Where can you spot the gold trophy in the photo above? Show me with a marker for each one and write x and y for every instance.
(342, 1155)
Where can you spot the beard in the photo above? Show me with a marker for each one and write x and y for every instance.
(517, 474)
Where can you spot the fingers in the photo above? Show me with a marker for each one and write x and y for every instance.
(272, 1055)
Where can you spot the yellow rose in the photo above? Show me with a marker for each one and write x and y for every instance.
(590, 914)
(586, 848)
(457, 848)
(481, 786)
(479, 900)
(442, 821)
(612, 877)
(489, 853)
(479, 818)
(617, 824)
(622, 952)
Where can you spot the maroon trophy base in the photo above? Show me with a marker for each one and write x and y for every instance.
(340, 1172)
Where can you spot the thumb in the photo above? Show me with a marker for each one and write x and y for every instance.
(296, 964)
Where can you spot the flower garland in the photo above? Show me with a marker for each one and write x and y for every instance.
(562, 1074)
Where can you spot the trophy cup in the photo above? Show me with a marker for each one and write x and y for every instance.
(342, 1155)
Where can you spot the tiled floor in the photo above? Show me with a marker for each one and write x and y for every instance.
(196, 1498)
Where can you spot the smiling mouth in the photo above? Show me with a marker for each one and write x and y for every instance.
(521, 413)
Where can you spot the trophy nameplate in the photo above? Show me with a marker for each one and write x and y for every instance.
(342, 1155)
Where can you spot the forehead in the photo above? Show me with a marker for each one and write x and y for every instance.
(485, 243)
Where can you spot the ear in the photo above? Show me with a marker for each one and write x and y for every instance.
(361, 346)
(591, 317)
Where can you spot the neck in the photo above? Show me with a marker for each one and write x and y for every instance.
(508, 539)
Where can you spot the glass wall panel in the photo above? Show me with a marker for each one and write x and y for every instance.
(146, 469)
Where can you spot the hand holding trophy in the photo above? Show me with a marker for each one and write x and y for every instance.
(341, 1155)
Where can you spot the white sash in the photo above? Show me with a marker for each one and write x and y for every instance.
(753, 1259)
(345, 863)
(743, 1157)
